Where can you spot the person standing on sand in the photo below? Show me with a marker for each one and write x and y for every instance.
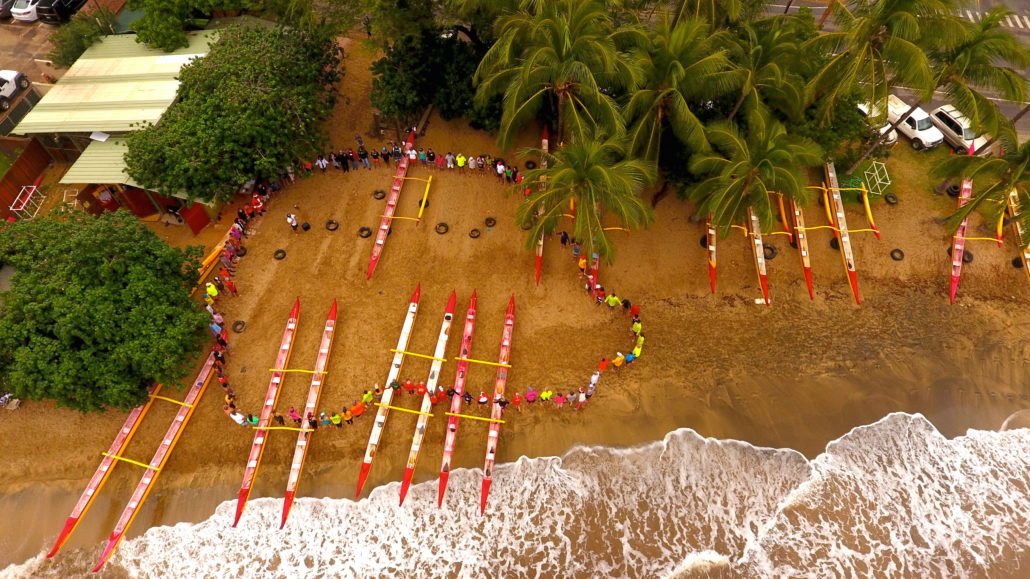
(409, 387)
(412, 156)
(336, 419)
(637, 327)
(291, 219)
(564, 239)
(430, 158)
(531, 395)
(312, 422)
(559, 400)
(640, 341)
(461, 160)
(581, 400)
(449, 158)
(363, 155)
(482, 398)
(347, 416)
(467, 397)
(546, 395)
(322, 164)
(613, 301)
(423, 158)
(595, 378)
(357, 409)
(500, 170)
(278, 418)
(385, 154)
(238, 418)
(324, 419)
(472, 163)
(215, 328)
(252, 420)
(516, 401)
(231, 286)
(637, 350)
(582, 263)
(420, 389)
(441, 162)
(602, 366)
(367, 396)
(630, 357)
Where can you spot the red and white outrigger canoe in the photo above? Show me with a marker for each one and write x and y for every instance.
(121, 440)
(164, 450)
(391, 206)
(427, 404)
(801, 238)
(710, 241)
(1022, 239)
(460, 377)
(539, 266)
(384, 406)
(835, 206)
(958, 242)
(493, 437)
(257, 448)
(758, 248)
(300, 452)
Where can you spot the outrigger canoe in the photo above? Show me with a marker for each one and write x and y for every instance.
(460, 377)
(427, 403)
(257, 447)
(496, 412)
(300, 452)
(391, 207)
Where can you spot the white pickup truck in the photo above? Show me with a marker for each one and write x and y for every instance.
(11, 83)
(917, 127)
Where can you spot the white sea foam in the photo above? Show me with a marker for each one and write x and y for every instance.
(895, 498)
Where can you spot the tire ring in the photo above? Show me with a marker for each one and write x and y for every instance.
(490, 222)
(835, 244)
(769, 251)
(364, 232)
(241, 251)
(1017, 262)
(442, 228)
(526, 226)
(704, 241)
(474, 233)
(531, 164)
(279, 254)
(379, 194)
(332, 225)
(897, 254)
(967, 256)
(238, 326)
(954, 190)
(891, 199)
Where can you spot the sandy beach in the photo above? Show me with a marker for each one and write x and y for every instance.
(797, 374)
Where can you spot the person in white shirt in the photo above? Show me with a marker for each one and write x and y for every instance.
(292, 220)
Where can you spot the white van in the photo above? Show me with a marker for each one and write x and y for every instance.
(958, 130)
(917, 127)
(879, 123)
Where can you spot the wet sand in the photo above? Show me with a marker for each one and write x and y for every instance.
(797, 374)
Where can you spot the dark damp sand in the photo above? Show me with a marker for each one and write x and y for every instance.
(797, 374)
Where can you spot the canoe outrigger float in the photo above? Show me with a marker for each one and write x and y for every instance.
(1022, 241)
(758, 249)
(835, 209)
(710, 240)
(958, 241)
(384, 406)
(391, 207)
(493, 437)
(300, 452)
(460, 377)
(257, 448)
(121, 441)
(153, 469)
(427, 403)
(801, 240)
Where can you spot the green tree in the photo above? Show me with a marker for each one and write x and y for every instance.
(770, 67)
(563, 55)
(600, 177)
(396, 22)
(251, 107)
(982, 59)
(743, 170)
(85, 28)
(720, 13)
(164, 22)
(879, 45)
(682, 66)
(993, 178)
(99, 308)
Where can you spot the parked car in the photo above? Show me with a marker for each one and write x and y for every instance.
(878, 123)
(917, 127)
(958, 130)
(58, 11)
(24, 10)
(5, 9)
(11, 83)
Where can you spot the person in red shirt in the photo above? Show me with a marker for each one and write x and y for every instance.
(516, 401)
(420, 389)
(635, 310)
(231, 286)
(603, 364)
(409, 387)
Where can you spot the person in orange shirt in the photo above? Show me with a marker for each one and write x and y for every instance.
(356, 409)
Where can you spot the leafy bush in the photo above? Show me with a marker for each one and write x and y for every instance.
(99, 308)
(84, 29)
(251, 107)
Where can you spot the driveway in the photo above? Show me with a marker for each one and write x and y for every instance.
(21, 43)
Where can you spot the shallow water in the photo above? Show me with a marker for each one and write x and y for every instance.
(895, 498)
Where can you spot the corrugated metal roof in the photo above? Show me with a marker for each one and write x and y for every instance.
(116, 84)
(102, 163)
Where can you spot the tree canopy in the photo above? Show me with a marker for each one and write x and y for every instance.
(249, 108)
(164, 22)
(86, 27)
(98, 310)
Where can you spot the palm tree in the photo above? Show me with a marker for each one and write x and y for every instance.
(600, 177)
(565, 51)
(767, 61)
(682, 64)
(743, 170)
(966, 68)
(993, 179)
(720, 13)
(879, 45)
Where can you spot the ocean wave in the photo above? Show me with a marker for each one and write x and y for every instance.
(895, 498)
